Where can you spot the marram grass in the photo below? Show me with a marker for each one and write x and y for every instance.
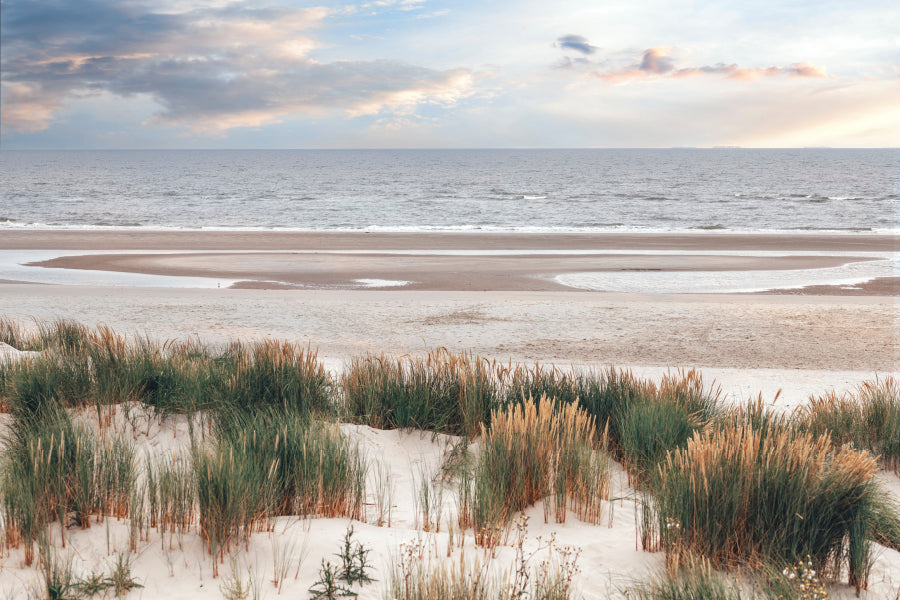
(53, 468)
(272, 464)
(736, 496)
(537, 450)
(867, 419)
(444, 392)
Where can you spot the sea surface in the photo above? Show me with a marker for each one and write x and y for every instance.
(493, 190)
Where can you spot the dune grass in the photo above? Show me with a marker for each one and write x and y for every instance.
(273, 463)
(736, 496)
(644, 420)
(523, 382)
(170, 489)
(443, 392)
(734, 486)
(53, 468)
(82, 366)
(537, 450)
(693, 581)
(273, 374)
(867, 418)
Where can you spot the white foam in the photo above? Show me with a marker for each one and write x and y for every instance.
(380, 283)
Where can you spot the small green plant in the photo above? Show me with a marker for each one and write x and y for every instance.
(354, 560)
(93, 584)
(120, 580)
(234, 587)
(327, 587)
(60, 582)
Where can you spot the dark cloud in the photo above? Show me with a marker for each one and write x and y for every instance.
(656, 61)
(578, 43)
(210, 69)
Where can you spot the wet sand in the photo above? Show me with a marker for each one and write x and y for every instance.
(316, 240)
(437, 261)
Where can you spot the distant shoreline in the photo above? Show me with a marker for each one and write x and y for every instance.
(196, 240)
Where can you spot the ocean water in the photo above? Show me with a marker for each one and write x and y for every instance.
(492, 190)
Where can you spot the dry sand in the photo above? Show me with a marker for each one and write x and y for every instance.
(178, 567)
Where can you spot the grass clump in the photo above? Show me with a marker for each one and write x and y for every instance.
(535, 451)
(662, 418)
(170, 489)
(274, 374)
(737, 496)
(54, 469)
(644, 420)
(272, 464)
(443, 392)
(81, 366)
(523, 382)
(694, 581)
(867, 419)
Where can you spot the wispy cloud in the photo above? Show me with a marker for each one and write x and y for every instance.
(658, 63)
(210, 70)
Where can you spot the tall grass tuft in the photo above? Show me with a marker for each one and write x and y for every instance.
(738, 496)
(54, 468)
(273, 374)
(868, 419)
(444, 392)
(234, 494)
(273, 463)
(522, 382)
(12, 333)
(646, 420)
(535, 451)
(171, 495)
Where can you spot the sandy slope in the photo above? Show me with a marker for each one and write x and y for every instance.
(180, 568)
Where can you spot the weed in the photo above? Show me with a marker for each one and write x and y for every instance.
(326, 586)
(354, 560)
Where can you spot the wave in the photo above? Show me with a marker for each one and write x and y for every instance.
(586, 228)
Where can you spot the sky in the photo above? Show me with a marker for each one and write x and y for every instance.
(102, 74)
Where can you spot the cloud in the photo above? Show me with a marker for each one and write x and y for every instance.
(657, 63)
(576, 42)
(209, 70)
(26, 107)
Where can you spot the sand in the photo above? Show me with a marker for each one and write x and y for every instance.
(505, 307)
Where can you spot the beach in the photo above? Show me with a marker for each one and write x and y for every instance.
(497, 295)
(493, 294)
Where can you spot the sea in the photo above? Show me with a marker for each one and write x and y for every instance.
(653, 190)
